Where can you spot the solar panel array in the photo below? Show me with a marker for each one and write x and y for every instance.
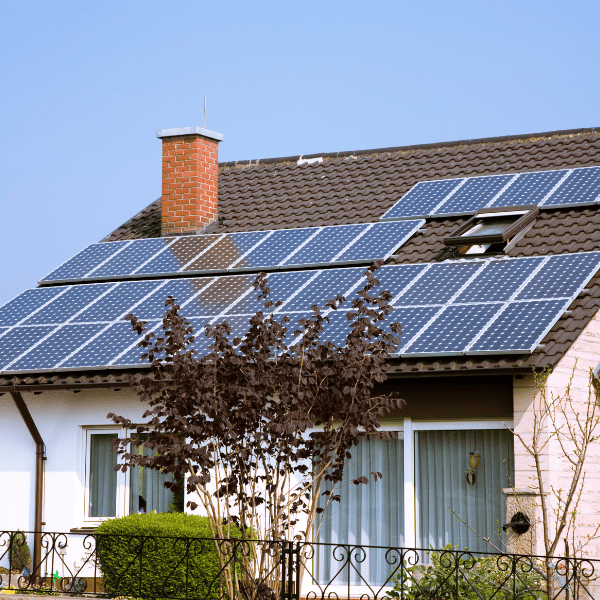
(235, 252)
(451, 197)
(486, 306)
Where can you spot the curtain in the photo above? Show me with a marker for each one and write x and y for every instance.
(102, 476)
(442, 459)
(367, 515)
(146, 490)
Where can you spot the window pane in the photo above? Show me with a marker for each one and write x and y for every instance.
(147, 492)
(371, 514)
(102, 476)
(441, 472)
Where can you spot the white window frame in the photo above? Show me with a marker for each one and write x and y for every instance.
(408, 426)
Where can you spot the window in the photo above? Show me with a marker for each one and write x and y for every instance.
(424, 478)
(489, 231)
(110, 493)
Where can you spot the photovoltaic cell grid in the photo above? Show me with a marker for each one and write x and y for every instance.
(547, 189)
(236, 252)
(468, 307)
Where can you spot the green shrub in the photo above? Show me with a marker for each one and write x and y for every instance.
(140, 556)
(20, 555)
(478, 577)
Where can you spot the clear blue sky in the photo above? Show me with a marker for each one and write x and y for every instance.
(85, 85)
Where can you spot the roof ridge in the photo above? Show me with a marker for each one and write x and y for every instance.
(472, 142)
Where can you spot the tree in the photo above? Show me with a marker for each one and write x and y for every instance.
(258, 427)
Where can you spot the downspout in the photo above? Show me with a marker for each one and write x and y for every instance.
(40, 456)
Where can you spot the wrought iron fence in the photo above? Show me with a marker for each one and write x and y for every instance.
(180, 568)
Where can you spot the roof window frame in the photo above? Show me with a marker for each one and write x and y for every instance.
(528, 214)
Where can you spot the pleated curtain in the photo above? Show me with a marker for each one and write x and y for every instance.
(442, 460)
(367, 515)
(102, 476)
(147, 492)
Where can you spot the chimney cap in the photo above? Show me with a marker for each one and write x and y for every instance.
(163, 133)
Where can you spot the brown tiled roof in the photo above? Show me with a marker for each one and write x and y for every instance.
(353, 187)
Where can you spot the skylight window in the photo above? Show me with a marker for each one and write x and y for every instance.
(489, 231)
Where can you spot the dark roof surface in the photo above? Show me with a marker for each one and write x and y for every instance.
(361, 186)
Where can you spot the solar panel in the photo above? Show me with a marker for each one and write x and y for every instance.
(129, 259)
(153, 307)
(476, 193)
(28, 302)
(104, 347)
(380, 241)
(83, 262)
(412, 319)
(227, 251)
(18, 340)
(529, 188)
(275, 249)
(453, 329)
(499, 280)
(581, 187)
(438, 284)
(62, 308)
(281, 286)
(520, 327)
(118, 302)
(173, 258)
(325, 286)
(216, 297)
(562, 276)
(55, 347)
(322, 248)
(422, 199)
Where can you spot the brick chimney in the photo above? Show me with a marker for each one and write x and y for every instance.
(190, 179)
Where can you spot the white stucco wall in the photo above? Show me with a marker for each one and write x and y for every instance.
(61, 417)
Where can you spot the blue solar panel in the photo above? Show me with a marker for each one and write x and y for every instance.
(422, 199)
(18, 340)
(499, 280)
(153, 307)
(529, 188)
(476, 193)
(582, 186)
(104, 348)
(24, 304)
(379, 242)
(275, 249)
(226, 251)
(439, 284)
(325, 286)
(126, 357)
(55, 348)
(281, 287)
(321, 249)
(83, 262)
(520, 328)
(215, 298)
(182, 251)
(453, 330)
(563, 276)
(412, 320)
(61, 309)
(118, 302)
(130, 258)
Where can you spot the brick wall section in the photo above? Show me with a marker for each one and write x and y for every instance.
(190, 176)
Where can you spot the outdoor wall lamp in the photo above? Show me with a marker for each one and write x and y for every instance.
(519, 523)
(474, 460)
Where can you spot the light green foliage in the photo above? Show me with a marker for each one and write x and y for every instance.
(452, 574)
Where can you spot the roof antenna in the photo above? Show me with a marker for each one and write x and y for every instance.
(204, 112)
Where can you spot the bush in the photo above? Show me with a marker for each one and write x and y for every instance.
(20, 555)
(479, 577)
(143, 555)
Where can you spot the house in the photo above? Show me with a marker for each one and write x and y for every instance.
(458, 402)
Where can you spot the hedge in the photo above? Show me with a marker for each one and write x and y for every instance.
(140, 556)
